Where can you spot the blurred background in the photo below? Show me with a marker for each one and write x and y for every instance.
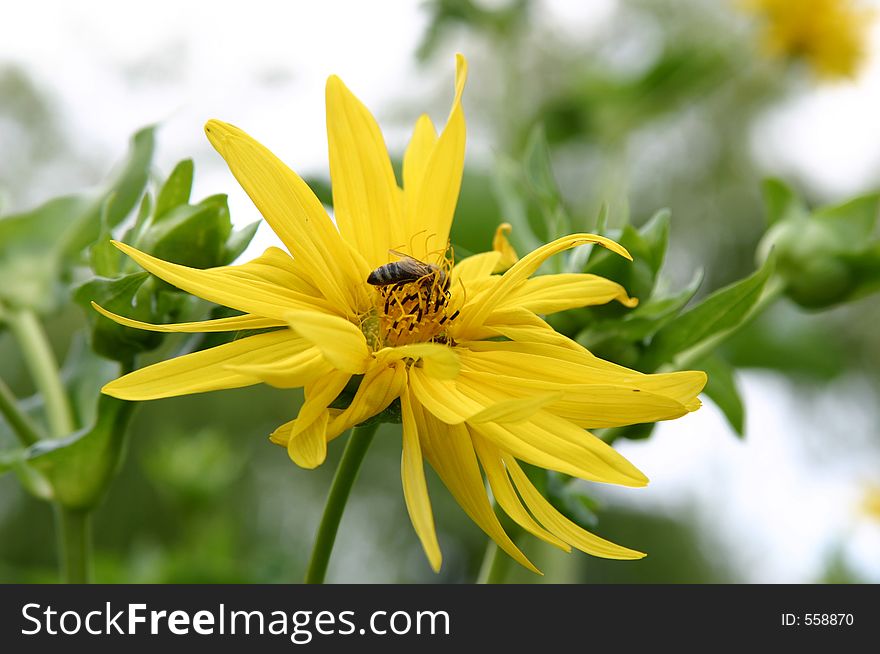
(645, 104)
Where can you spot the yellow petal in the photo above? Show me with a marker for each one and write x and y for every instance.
(592, 406)
(208, 370)
(231, 324)
(366, 200)
(515, 409)
(319, 394)
(308, 448)
(415, 489)
(438, 361)
(562, 526)
(553, 364)
(341, 343)
(551, 293)
(450, 452)
(505, 495)
(437, 193)
(239, 287)
(514, 323)
(552, 442)
(502, 246)
(294, 213)
(476, 267)
(382, 384)
(442, 398)
(525, 267)
(292, 371)
(415, 161)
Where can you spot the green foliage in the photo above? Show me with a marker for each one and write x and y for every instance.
(717, 316)
(176, 189)
(121, 295)
(723, 391)
(71, 238)
(80, 466)
(825, 257)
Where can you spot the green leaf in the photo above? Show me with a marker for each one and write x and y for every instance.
(38, 247)
(723, 391)
(81, 465)
(104, 257)
(636, 276)
(122, 194)
(538, 168)
(637, 432)
(11, 458)
(569, 497)
(191, 235)
(176, 189)
(655, 234)
(781, 203)
(851, 222)
(110, 339)
(30, 245)
(715, 317)
(238, 241)
(866, 271)
(649, 317)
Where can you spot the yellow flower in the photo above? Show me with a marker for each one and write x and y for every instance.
(483, 381)
(829, 34)
(870, 504)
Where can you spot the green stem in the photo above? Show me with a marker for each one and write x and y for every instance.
(38, 357)
(26, 431)
(74, 544)
(343, 480)
(495, 565)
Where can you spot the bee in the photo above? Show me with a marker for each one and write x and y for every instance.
(408, 269)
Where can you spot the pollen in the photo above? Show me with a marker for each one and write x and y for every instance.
(416, 311)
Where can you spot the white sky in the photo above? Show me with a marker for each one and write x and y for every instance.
(776, 508)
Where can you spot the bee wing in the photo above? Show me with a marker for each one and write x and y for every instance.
(411, 265)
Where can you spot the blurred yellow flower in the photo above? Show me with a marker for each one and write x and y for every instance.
(871, 502)
(483, 382)
(830, 35)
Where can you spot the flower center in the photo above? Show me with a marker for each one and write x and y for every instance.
(412, 304)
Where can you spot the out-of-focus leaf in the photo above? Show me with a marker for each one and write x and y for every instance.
(238, 241)
(38, 247)
(539, 170)
(655, 234)
(321, 188)
(780, 338)
(109, 339)
(176, 189)
(717, 315)
(723, 391)
(851, 222)
(866, 268)
(79, 466)
(570, 498)
(122, 194)
(30, 242)
(630, 432)
(103, 256)
(10, 458)
(513, 208)
(133, 234)
(191, 235)
(781, 203)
